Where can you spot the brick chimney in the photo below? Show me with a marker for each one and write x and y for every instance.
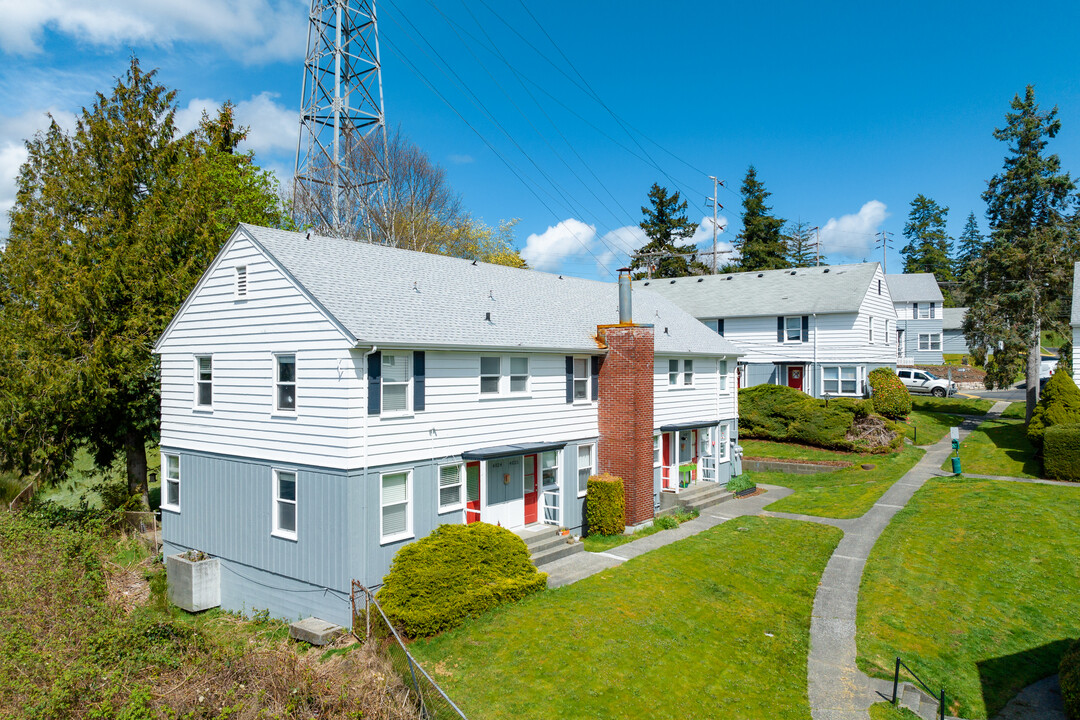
(626, 406)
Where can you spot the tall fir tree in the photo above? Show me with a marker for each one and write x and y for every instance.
(969, 247)
(761, 243)
(666, 225)
(112, 226)
(929, 245)
(801, 245)
(1019, 284)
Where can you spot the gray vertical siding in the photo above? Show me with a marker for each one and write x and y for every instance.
(760, 373)
(911, 329)
(953, 342)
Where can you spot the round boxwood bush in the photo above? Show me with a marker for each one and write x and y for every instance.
(605, 508)
(1069, 677)
(1059, 404)
(456, 572)
(890, 397)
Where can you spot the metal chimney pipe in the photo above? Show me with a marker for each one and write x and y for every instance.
(625, 314)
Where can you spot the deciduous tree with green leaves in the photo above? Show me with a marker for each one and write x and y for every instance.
(667, 227)
(1021, 280)
(761, 243)
(112, 226)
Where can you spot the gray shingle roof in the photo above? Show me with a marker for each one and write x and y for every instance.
(953, 318)
(914, 287)
(832, 289)
(388, 296)
(1076, 295)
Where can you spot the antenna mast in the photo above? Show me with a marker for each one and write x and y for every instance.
(341, 154)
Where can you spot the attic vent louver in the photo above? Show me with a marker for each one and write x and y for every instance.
(241, 281)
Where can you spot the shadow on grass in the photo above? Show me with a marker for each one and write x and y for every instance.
(1003, 677)
(1011, 439)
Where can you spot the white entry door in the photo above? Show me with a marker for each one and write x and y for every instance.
(707, 454)
(505, 493)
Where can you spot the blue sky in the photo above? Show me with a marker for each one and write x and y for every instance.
(848, 110)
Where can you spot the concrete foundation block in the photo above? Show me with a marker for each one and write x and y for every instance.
(193, 585)
(315, 631)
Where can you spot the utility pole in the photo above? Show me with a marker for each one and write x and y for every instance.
(715, 204)
(817, 244)
(886, 243)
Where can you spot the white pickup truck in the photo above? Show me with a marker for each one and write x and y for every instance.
(922, 381)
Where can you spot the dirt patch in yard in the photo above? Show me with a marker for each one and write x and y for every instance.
(960, 373)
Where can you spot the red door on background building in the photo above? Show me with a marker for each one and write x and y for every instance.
(472, 492)
(795, 376)
(532, 491)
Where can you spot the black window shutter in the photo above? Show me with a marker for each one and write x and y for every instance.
(720, 326)
(780, 329)
(932, 309)
(418, 379)
(569, 378)
(914, 311)
(374, 383)
(805, 328)
(595, 377)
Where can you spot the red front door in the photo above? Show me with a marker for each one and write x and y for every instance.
(665, 469)
(795, 376)
(532, 493)
(472, 492)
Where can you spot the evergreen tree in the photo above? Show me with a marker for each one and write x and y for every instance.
(801, 247)
(1020, 282)
(666, 225)
(969, 248)
(761, 244)
(929, 245)
(112, 227)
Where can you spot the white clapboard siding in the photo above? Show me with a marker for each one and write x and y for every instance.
(702, 401)
(457, 418)
(880, 307)
(242, 336)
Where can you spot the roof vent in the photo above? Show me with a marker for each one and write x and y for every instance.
(487, 316)
(672, 282)
(729, 277)
(792, 272)
(761, 274)
(701, 279)
(646, 283)
(826, 270)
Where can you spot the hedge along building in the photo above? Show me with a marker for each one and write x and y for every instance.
(919, 328)
(1075, 323)
(325, 402)
(820, 330)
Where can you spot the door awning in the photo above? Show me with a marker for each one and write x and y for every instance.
(501, 451)
(693, 425)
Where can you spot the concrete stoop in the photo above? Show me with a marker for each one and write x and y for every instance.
(701, 496)
(547, 545)
(918, 701)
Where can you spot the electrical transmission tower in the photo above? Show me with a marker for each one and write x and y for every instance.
(341, 166)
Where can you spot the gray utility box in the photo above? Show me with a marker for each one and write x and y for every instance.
(194, 586)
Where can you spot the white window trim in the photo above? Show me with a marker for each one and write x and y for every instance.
(408, 532)
(680, 373)
(929, 342)
(787, 339)
(723, 432)
(840, 381)
(592, 468)
(408, 383)
(919, 311)
(587, 400)
(197, 405)
(510, 375)
(278, 410)
(658, 450)
(276, 531)
(870, 326)
(557, 469)
(241, 282)
(499, 377)
(459, 505)
(506, 377)
(723, 367)
(164, 473)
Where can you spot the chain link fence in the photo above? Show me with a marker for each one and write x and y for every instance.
(370, 622)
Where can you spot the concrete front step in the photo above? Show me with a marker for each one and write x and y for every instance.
(918, 701)
(703, 496)
(557, 552)
(537, 535)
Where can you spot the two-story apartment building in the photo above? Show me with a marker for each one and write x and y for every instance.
(325, 402)
(919, 328)
(820, 329)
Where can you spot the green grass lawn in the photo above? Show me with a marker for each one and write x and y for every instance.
(600, 543)
(1016, 411)
(886, 711)
(794, 451)
(716, 625)
(998, 447)
(846, 493)
(975, 585)
(930, 426)
(954, 405)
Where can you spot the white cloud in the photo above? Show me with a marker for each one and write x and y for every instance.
(271, 126)
(549, 249)
(703, 233)
(853, 235)
(254, 30)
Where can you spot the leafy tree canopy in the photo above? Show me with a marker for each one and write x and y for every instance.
(112, 226)
(761, 243)
(667, 227)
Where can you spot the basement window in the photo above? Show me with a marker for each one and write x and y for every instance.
(285, 504)
(171, 466)
(584, 468)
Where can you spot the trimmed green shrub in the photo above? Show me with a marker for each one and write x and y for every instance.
(891, 399)
(456, 572)
(666, 522)
(1058, 405)
(605, 506)
(740, 483)
(777, 412)
(1061, 452)
(1069, 677)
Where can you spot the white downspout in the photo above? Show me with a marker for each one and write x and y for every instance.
(366, 405)
(814, 377)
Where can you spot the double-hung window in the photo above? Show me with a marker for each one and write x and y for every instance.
(929, 342)
(395, 497)
(450, 477)
(722, 443)
(923, 311)
(285, 372)
(170, 465)
(793, 328)
(395, 383)
(840, 380)
(490, 374)
(722, 375)
(285, 504)
(204, 381)
(681, 372)
(519, 374)
(656, 456)
(581, 379)
(549, 468)
(584, 467)
(870, 325)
